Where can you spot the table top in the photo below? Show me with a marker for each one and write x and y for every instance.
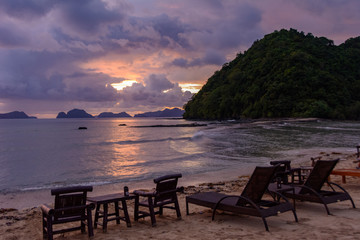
(113, 197)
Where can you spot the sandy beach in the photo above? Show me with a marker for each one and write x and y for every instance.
(313, 223)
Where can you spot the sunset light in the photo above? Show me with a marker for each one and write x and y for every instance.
(123, 84)
(191, 87)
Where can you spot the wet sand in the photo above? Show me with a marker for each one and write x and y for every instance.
(314, 223)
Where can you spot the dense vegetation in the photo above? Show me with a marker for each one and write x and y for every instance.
(286, 74)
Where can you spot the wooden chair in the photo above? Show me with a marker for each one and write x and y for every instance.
(311, 190)
(250, 202)
(165, 194)
(70, 206)
(286, 172)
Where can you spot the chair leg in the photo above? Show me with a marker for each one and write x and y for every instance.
(49, 227)
(187, 207)
(82, 222)
(44, 225)
(177, 207)
(89, 223)
(151, 211)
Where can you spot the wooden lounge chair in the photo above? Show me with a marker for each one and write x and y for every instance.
(70, 206)
(312, 191)
(250, 201)
(165, 194)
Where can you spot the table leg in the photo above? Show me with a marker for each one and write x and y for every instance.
(96, 215)
(126, 214)
(117, 212)
(105, 218)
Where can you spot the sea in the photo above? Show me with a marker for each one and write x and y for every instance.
(40, 154)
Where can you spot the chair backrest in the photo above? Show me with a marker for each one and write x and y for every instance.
(258, 184)
(282, 171)
(68, 198)
(284, 165)
(166, 187)
(319, 175)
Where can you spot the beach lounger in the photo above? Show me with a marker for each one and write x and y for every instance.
(250, 202)
(70, 206)
(165, 194)
(311, 190)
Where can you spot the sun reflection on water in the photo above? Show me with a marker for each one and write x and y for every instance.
(125, 161)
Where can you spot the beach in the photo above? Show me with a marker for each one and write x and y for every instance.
(314, 223)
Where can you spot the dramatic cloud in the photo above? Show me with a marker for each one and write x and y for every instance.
(60, 53)
(157, 92)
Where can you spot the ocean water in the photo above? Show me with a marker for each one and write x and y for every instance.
(46, 153)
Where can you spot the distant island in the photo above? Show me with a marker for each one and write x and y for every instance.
(75, 113)
(15, 115)
(80, 113)
(113, 115)
(285, 74)
(172, 113)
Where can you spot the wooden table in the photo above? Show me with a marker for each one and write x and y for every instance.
(346, 172)
(104, 201)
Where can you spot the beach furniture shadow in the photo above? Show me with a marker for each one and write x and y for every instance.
(70, 206)
(312, 191)
(165, 194)
(250, 202)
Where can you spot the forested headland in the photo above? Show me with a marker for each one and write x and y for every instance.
(285, 74)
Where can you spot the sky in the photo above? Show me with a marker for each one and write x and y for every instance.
(139, 55)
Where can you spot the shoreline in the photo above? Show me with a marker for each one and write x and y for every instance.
(33, 198)
(313, 223)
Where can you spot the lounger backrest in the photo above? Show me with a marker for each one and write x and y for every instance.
(67, 199)
(166, 187)
(257, 184)
(319, 175)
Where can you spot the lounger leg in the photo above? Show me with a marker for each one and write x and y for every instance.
(327, 209)
(295, 215)
(187, 208)
(265, 223)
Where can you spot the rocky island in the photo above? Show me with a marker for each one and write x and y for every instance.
(15, 115)
(75, 113)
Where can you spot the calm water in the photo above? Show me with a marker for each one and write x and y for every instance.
(46, 153)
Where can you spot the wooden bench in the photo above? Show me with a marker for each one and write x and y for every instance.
(346, 172)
